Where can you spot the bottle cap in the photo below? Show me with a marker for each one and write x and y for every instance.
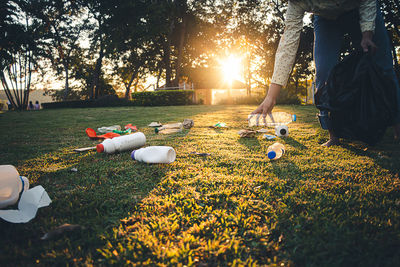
(25, 183)
(283, 131)
(100, 148)
(294, 117)
(271, 154)
(156, 130)
(133, 154)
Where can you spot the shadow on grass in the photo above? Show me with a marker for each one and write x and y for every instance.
(250, 143)
(105, 189)
(286, 170)
(294, 143)
(385, 154)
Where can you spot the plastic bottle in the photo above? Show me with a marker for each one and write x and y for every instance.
(282, 131)
(11, 185)
(108, 129)
(275, 151)
(176, 126)
(122, 143)
(272, 119)
(154, 154)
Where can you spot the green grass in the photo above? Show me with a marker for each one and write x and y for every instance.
(313, 207)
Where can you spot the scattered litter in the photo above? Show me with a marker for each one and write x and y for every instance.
(31, 199)
(262, 131)
(155, 124)
(74, 170)
(130, 126)
(92, 134)
(58, 231)
(282, 131)
(127, 131)
(168, 131)
(200, 154)
(188, 123)
(83, 149)
(154, 154)
(272, 119)
(275, 151)
(169, 128)
(247, 133)
(257, 187)
(219, 125)
(122, 143)
(109, 129)
(269, 136)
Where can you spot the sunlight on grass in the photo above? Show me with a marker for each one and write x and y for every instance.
(233, 207)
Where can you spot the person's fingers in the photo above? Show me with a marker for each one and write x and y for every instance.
(258, 119)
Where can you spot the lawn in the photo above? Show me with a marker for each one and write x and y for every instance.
(315, 206)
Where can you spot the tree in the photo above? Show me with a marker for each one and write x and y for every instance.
(63, 23)
(17, 47)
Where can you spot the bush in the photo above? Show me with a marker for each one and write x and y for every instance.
(163, 98)
(157, 98)
(287, 98)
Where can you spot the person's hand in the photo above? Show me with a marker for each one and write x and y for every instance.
(269, 102)
(367, 43)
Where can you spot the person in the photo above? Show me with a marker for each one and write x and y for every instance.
(361, 19)
(9, 105)
(30, 106)
(37, 106)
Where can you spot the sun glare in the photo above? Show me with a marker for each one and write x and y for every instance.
(231, 68)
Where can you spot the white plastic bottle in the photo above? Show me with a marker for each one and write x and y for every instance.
(282, 131)
(273, 119)
(154, 154)
(11, 185)
(122, 143)
(275, 151)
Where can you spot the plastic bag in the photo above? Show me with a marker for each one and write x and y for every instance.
(358, 98)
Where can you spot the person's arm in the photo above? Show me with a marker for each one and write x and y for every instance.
(367, 24)
(285, 56)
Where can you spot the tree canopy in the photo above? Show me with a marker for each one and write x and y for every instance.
(100, 47)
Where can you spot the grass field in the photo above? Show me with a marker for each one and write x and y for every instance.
(313, 207)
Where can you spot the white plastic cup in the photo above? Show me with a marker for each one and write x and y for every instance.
(11, 185)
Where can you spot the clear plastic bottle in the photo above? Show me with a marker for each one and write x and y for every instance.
(154, 154)
(122, 143)
(170, 128)
(11, 185)
(109, 129)
(272, 119)
(282, 131)
(275, 151)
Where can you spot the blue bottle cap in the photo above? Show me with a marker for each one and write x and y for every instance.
(133, 154)
(294, 117)
(271, 154)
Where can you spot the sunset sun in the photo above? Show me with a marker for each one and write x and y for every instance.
(231, 68)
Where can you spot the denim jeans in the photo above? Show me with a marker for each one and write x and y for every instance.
(328, 35)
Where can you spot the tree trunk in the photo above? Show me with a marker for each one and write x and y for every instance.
(66, 90)
(96, 73)
(167, 56)
(182, 34)
(128, 87)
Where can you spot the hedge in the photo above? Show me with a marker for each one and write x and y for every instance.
(163, 98)
(156, 98)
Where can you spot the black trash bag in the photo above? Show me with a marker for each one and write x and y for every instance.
(358, 99)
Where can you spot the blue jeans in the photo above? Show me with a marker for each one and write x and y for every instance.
(328, 36)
